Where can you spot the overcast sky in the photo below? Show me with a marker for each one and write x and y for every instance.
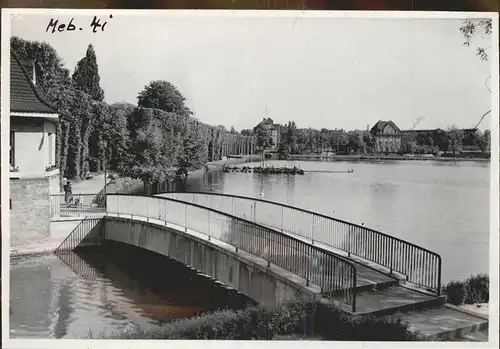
(319, 72)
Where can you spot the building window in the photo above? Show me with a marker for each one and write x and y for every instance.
(12, 160)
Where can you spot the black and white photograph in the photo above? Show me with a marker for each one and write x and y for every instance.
(280, 176)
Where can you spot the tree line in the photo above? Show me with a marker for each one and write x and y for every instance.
(157, 139)
(294, 140)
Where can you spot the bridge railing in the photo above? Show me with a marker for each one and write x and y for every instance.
(335, 275)
(420, 266)
(76, 204)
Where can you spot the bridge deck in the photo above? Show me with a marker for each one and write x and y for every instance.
(367, 276)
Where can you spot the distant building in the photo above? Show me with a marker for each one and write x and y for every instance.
(33, 171)
(273, 131)
(387, 137)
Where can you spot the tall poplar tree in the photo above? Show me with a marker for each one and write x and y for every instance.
(86, 76)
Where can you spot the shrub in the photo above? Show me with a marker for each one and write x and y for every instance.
(292, 320)
(477, 289)
(455, 292)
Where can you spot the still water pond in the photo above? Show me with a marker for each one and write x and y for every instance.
(441, 206)
(107, 289)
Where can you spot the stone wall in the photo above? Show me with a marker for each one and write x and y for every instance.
(30, 210)
(245, 275)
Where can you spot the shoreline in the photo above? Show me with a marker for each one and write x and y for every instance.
(383, 158)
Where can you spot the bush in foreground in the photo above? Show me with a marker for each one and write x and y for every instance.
(304, 320)
(455, 292)
(475, 289)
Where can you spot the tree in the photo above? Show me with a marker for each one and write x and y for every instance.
(430, 141)
(262, 137)
(79, 107)
(411, 148)
(50, 72)
(369, 141)
(356, 143)
(441, 140)
(455, 137)
(471, 28)
(483, 141)
(189, 154)
(86, 76)
(283, 150)
(115, 133)
(164, 95)
(146, 158)
(247, 132)
(291, 136)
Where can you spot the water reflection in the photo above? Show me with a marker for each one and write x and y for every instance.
(107, 288)
(64, 309)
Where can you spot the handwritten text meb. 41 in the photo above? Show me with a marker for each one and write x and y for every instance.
(96, 25)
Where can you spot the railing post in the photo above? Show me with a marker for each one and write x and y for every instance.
(239, 238)
(312, 232)
(165, 211)
(282, 219)
(147, 208)
(308, 269)
(208, 225)
(130, 205)
(348, 241)
(391, 267)
(185, 218)
(439, 276)
(80, 203)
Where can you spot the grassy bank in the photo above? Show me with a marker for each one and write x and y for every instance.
(296, 320)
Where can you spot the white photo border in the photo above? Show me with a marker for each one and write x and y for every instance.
(65, 343)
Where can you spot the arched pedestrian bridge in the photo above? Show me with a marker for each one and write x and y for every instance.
(273, 252)
(342, 261)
